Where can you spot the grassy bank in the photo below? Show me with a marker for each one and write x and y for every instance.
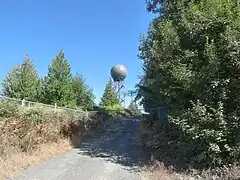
(30, 135)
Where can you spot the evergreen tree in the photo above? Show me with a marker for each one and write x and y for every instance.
(57, 85)
(84, 95)
(22, 82)
(191, 65)
(109, 97)
(133, 108)
(90, 99)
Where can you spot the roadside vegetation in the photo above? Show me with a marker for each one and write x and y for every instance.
(31, 134)
(27, 134)
(191, 66)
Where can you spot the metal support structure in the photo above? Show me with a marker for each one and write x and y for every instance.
(118, 87)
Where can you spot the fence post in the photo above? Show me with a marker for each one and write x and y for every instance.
(55, 107)
(23, 100)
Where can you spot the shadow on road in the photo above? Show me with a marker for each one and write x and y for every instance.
(117, 144)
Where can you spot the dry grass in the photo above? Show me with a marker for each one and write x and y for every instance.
(25, 143)
(29, 136)
(157, 175)
(20, 160)
(158, 171)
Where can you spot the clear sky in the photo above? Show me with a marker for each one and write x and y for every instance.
(94, 35)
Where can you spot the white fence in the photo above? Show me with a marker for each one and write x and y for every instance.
(29, 104)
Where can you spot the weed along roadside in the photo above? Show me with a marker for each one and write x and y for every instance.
(167, 162)
(31, 135)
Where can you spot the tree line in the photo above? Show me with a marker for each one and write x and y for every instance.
(191, 59)
(58, 86)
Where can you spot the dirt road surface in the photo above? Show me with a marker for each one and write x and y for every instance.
(108, 155)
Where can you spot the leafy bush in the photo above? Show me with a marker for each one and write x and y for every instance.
(216, 134)
(209, 129)
(200, 137)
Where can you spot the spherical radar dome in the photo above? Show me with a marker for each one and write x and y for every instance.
(119, 72)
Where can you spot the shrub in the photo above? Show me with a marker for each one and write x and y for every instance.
(200, 137)
(212, 133)
(8, 109)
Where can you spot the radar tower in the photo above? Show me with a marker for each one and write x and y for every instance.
(119, 73)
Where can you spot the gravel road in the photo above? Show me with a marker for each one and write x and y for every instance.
(109, 155)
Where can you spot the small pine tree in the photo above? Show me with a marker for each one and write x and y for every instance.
(109, 97)
(57, 85)
(22, 82)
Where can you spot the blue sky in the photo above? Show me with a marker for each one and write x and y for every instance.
(94, 36)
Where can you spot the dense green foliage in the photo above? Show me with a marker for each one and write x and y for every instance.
(84, 95)
(109, 98)
(191, 65)
(22, 82)
(59, 86)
